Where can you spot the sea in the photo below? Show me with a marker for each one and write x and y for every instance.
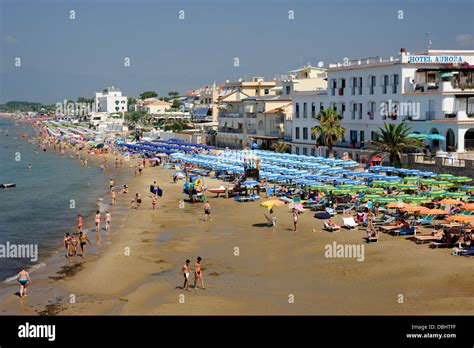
(46, 200)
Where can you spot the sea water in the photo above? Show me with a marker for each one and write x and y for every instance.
(46, 200)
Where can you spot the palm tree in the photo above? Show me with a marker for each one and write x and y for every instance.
(281, 147)
(393, 139)
(329, 128)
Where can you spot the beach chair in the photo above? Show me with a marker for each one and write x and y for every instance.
(269, 191)
(331, 228)
(428, 220)
(350, 223)
(331, 211)
(463, 252)
(254, 197)
(404, 231)
(422, 238)
(241, 199)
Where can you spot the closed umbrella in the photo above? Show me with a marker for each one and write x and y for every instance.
(436, 137)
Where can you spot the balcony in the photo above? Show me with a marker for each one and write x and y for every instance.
(426, 86)
(229, 130)
(231, 114)
(251, 131)
(287, 138)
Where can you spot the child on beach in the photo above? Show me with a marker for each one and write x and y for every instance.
(295, 220)
(154, 200)
(185, 273)
(207, 211)
(198, 273)
(82, 242)
(79, 223)
(23, 279)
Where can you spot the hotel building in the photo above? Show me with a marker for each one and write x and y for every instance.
(432, 91)
(110, 100)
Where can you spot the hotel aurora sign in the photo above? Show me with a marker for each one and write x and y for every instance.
(434, 59)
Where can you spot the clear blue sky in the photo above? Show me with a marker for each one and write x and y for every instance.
(63, 58)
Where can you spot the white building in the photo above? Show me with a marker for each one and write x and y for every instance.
(433, 92)
(110, 100)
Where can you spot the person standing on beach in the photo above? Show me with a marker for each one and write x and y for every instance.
(74, 245)
(154, 200)
(79, 223)
(198, 273)
(114, 197)
(116, 163)
(111, 184)
(295, 220)
(207, 211)
(185, 273)
(108, 220)
(82, 242)
(23, 279)
(67, 243)
(97, 221)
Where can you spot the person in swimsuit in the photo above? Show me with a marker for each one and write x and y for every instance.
(79, 223)
(67, 243)
(207, 211)
(108, 220)
(138, 200)
(155, 188)
(23, 279)
(154, 200)
(185, 273)
(74, 243)
(198, 273)
(295, 220)
(82, 242)
(125, 189)
(97, 221)
(111, 184)
(114, 196)
(116, 163)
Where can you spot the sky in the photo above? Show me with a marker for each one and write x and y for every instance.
(64, 58)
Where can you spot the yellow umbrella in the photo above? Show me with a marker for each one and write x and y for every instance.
(272, 203)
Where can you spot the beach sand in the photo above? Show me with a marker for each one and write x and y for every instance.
(275, 270)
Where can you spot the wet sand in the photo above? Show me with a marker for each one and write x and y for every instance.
(276, 270)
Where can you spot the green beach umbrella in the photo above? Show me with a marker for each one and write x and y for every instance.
(376, 190)
(418, 199)
(460, 179)
(442, 183)
(411, 178)
(456, 194)
(381, 183)
(468, 188)
(407, 187)
(386, 200)
(444, 176)
(371, 197)
(436, 193)
(427, 181)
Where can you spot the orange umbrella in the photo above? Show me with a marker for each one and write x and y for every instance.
(434, 212)
(460, 218)
(414, 208)
(451, 201)
(469, 206)
(397, 205)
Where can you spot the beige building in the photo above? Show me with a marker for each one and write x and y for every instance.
(156, 107)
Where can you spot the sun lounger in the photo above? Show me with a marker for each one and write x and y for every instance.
(350, 222)
(331, 228)
(438, 244)
(331, 211)
(428, 220)
(403, 231)
(254, 197)
(463, 252)
(422, 238)
(285, 199)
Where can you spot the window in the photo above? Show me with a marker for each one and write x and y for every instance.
(321, 106)
(362, 137)
(305, 151)
(313, 110)
(395, 83)
(354, 85)
(305, 110)
(313, 151)
(354, 110)
(288, 90)
(343, 109)
(266, 91)
(305, 133)
(374, 135)
(297, 110)
(353, 136)
(297, 132)
(360, 86)
(385, 84)
(313, 136)
(297, 150)
(372, 82)
(371, 110)
(360, 111)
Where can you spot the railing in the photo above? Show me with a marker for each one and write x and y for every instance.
(231, 114)
(229, 130)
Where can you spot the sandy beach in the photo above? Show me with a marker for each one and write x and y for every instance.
(248, 267)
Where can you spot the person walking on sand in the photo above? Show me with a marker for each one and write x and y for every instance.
(67, 243)
(108, 220)
(80, 223)
(207, 211)
(111, 184)
(74, 243)
(23, 279)
(154, 200)
(295, 220)
(114, 197)
(185, 273)
(82, 242)
(97, 221)
(198, 273)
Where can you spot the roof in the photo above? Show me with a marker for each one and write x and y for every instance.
(276, 110)
(263, 137)
(157, 103)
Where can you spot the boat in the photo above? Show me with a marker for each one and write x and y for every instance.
(7, 185)
(220, 189)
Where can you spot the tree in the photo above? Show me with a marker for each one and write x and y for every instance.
(131, 101)
(393, 139)
(148, 94)
(173, 94)
(281, 147)
(134, 117)
(176, 104)
(329, 128)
